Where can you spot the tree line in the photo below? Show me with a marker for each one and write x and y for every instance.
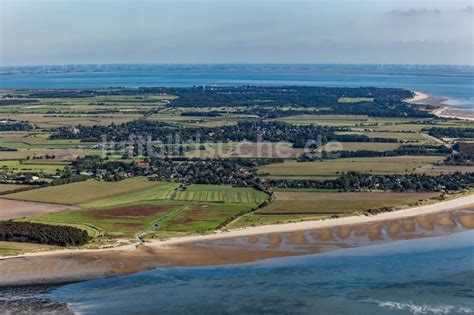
(28, 232)
(354, 181)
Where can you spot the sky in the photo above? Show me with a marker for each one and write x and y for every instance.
(38, 32)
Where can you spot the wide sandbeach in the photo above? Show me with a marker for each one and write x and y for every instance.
(443, 111)
(240, 246)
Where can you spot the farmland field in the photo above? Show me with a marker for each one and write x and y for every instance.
(13, 209)
(200, 217)
(338, 203)
(59, 154)
(32, 166)
(160, 191)
(356, 146)
(4, 188)
(123, 213)
(380, 165)
(355, 99)
(82, 192)
(303, 205)
(214, 193)
(122, 221)
(400, 136)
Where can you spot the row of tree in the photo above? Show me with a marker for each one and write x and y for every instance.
(417, 150)
(354, 181)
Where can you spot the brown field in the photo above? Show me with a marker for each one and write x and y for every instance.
(82, 192)
(10, 187)
(12, 209)
(248, 150)
(265, 150)
(133, 211)
(380, 165)
(356, 146)
(60, 154)
(339, 203)
(444, 169)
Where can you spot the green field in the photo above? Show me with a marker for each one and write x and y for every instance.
(124, 209)
(400, 136)
(338, 203)
(299, 205)
(380, 165)
(213, 193)
(160, 191)
(342, 120)
(15, 248)
(31, 166)
(122, 222)
(200, 217)
(354, 99)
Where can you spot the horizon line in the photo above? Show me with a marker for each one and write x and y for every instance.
(234, 63)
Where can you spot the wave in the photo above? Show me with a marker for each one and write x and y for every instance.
(424, 308)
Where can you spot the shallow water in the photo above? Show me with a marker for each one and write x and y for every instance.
(453, 82)
(432, 275)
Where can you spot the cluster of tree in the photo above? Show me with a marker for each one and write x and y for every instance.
(23, 178)
(5, 149)
(384, 101)
(12, 231)
(235, 172)
(41, 157)
(451, 132)
(354, 181)
(256, 130)
(419, 150)
(13, 125)
(63, 93)
(15, 101)
(464, 154)
(101, 169)
(372, 109)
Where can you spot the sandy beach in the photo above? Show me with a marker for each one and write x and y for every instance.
(443, 110)
(455, 113)
(243, 245)
(419, 96)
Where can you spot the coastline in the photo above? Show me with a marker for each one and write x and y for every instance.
(226, 247)
(442, 110)
(450, 112)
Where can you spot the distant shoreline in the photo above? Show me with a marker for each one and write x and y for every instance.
(450, 112)
(444, 111)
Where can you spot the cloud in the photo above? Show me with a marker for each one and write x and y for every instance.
(468, 9)
(414, 12)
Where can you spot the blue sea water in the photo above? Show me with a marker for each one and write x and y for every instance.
(456, 83)
(423, 276)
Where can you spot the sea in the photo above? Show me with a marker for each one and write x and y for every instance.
(455, 84)
(433, 275)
